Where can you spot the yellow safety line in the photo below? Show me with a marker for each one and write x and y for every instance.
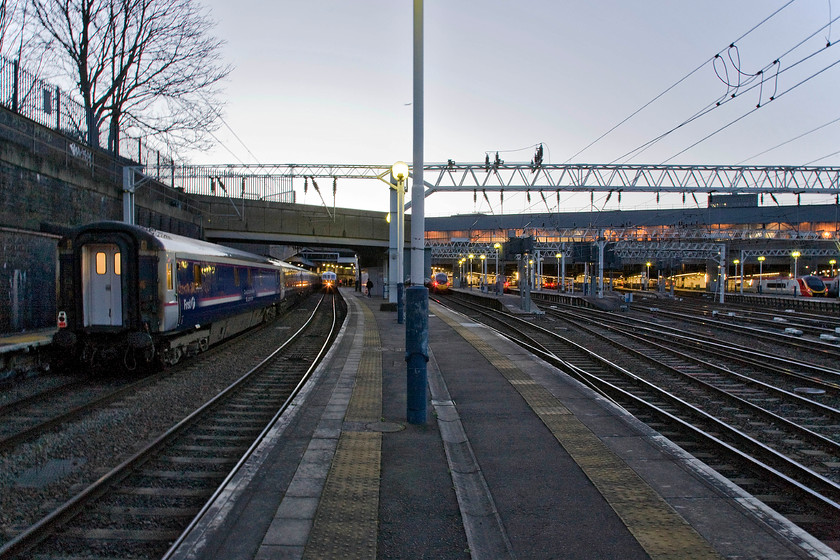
(658, 528)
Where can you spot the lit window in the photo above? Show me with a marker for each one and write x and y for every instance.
(197, 275)
(101, 263)
(117, 264)
(170, 281)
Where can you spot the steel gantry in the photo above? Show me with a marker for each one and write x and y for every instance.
(722, 179)
(569, 177)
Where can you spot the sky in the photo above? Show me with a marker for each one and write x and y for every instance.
(330, 81)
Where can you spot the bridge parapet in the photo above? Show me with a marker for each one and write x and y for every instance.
(264, 221)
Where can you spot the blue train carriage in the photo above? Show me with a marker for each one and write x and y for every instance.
(141, 294)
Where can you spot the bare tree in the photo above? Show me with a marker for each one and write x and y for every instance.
(4, 21)
(148, 65)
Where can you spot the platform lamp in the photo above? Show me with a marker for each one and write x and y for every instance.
(647, 275)
(831, 263)
(796, 255)
(400, 172)
(531, 282)
(736, 262)
(497, 246)
(483, 258)
(469, 278)
(559, 278)
(760, 270)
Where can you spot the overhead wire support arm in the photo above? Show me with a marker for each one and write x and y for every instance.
(638, 178)
(511, 176)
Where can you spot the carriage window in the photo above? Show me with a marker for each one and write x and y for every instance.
(197, 275)
(101, 263)
(170, 281)
(235, 276)
(117, 264)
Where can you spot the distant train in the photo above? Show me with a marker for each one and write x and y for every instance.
(807, 286)
(329, 280)
(144, 295)
(440, 283)
(832, 286)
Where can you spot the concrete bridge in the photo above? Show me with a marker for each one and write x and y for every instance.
(258, 223)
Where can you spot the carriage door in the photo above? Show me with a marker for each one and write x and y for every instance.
(101, 278)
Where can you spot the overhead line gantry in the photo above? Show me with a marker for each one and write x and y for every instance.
(570, 177)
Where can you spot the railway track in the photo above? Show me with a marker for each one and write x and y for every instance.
(711, 327)
(31, 416)
(777, 445)
(734, 317)
(139, 507)
(786, 364)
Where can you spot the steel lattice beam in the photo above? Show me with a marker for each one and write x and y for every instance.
(465, 177)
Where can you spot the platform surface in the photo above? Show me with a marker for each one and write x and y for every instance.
(516, 460)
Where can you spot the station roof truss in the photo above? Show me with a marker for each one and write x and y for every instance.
(459, 250)
(803, 252)
(634, 233)
(673, 243)
(464, 177)
(629, 251)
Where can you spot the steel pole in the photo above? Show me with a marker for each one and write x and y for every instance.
(417, 296)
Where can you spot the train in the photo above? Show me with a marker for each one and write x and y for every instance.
(440, 283)
(807, 286)
(329, 280)
(151, 297)
(832, 285)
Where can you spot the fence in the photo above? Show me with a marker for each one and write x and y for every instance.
(220, 181)
(27, 95)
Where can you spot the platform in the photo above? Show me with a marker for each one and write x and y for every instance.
(516, 460)
(21, 352)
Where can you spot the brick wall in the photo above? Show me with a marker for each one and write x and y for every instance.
(48, 183)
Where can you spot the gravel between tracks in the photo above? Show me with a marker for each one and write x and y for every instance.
(78, 454)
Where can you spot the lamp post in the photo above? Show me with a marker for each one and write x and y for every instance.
(531, 273)
(795, 255)
(736, 262)
(469, 278)
(400, 172)
(417, 296)
(497, 246)
(483, 272)
(560, 279)
(760, 271)
(647, 275)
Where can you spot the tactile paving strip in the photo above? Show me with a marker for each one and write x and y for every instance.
(658, 528)
(346, 522)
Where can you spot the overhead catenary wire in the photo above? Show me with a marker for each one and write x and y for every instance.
(797, 137)
(809, 78)
(714, 105)
(678, 82)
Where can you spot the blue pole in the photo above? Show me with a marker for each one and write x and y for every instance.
(416, 352)
(400, 303)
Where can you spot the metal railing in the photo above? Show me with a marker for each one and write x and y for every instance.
(29, 96)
